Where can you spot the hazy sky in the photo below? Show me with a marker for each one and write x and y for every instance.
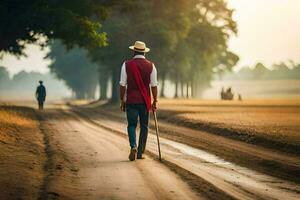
(33, 62)
(269, 32)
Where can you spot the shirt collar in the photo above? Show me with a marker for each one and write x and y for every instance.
(139, 56)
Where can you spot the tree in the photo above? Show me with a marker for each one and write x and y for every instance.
(110, 58)
(159, 23)
(188, 40)
(36, 21)
(296, 72)
(4, 78)
(211, 27)
(74, 67)
(260, 71)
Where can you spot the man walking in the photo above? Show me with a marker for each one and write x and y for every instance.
(41, 95)
(138, 77)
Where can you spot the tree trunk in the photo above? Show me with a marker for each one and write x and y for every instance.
(162, 91)
(115, 85)
(192, 89)
(195, 89)
(176, 87)
(103, 90)
(80, 94)
(103, 84)
(187, 90)
(90, 93)
(182, 89)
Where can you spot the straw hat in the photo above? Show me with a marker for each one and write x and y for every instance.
(139, 47)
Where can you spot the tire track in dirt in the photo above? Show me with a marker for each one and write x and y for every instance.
(49, 160)
(232, 133)
(232, 187)
(269, 161)
(199, 185)
(97, 172)
(58, 162)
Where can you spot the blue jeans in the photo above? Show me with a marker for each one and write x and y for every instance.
(133, 111)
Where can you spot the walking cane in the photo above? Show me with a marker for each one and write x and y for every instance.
(157, 134)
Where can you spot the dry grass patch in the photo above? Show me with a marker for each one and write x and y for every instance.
(22, 153)
(272, 120)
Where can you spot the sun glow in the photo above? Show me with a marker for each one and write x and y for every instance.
(269, 31)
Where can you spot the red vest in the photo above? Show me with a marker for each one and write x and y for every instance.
(134, 95)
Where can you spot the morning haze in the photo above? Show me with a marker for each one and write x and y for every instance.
(269, 31)
(150, 100)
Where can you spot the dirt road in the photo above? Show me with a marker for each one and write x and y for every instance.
(236, 181)
(89, 162)
(271, 161)
(87, 158)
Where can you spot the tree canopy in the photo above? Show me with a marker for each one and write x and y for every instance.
(36, 21)
(188, 40)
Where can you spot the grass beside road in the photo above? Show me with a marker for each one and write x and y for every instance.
(272, 123)
(21, 152)
(264, 123)
(275, 120)
(247, 121)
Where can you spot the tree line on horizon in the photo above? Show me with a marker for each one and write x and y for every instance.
(188, 41)
(74, 67)
(280, 71)
(188, 38)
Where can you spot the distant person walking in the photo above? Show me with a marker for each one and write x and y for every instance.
(138, 75)
(41, 95)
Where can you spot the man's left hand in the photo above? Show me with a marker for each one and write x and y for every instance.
(123, 106)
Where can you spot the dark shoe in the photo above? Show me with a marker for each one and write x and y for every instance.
(132, 154)
(140, 157)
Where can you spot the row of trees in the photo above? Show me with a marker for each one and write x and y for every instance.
(75, 68)
(188, 41)
(76, 22)
(188, 38)
(281, 71)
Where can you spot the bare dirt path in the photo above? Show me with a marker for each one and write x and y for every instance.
(265, 160)
(87, 159)
(89, 162)
(236, 181)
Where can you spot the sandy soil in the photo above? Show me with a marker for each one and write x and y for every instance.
(270, 160)
(232, 179)
(22, 156)
(92, 163)
(82, 153)
(274, 120)
(268, 123)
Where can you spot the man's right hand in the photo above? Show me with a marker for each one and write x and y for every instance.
(154, 105)
(123, 106)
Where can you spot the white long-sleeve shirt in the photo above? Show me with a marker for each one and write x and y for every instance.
(153, 76)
